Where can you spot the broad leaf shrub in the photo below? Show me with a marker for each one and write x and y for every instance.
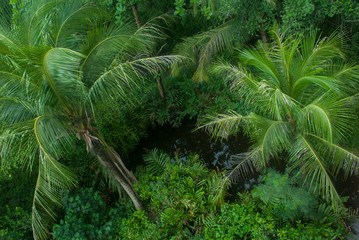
(87, 217)
(182, 203)
(123, 123)
(186, 99)
(179, 198)
(16, 187)
(15, 223)
(286, 200)
(276, 209)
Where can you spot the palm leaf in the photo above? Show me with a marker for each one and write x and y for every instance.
(245, 164)
(304, 157)
(116, 81)
(62, 71)
(341, 158)
(74, 22)
(52, 179)
(318, 52)
(205, 46)
(156, 161)
(261, 61)
(326, 83)
(222, 125)
(329, 117)
(271, 137)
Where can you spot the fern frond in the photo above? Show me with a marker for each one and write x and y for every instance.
(156, 161)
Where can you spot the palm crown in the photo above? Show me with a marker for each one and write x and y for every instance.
(301, 92)
(56, 65)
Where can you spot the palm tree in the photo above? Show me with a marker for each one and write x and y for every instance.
(57, 65)
(204, 47)
(301, 92)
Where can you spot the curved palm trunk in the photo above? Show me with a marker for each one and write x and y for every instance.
(135, 14)
(113, 163)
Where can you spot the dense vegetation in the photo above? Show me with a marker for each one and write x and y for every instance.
(81, 82)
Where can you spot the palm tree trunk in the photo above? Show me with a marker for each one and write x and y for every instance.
(263, 33)
(160, 86)
(110, 159)
(135, 13)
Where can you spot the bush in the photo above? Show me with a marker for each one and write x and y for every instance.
(182, 201)
(87, 217)
(287, 201)
(192, 100)
(180, 195)
(15, 224)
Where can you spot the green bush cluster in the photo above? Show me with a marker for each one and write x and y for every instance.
(123, 124)
(86, 216)
(179, 198)
(183, 203)
(16, 187)
(186, 99)
(15, 223)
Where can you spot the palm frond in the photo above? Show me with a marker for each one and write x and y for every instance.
(329, 117)
(52, 136)
(123, 76)
(156, 161)
(261, 61)
(254, 93)
(318, 121)
(74, 21)
(283, 53)
(35, 23)
(271, 137)
(276, 103)
(104, 46)
(53, 177)
(245, 164)
(16, 85)
(304, 156)
(205, 46)
(319, 52)
(222, 125)
(348, 76)
(341, 157)
(14, 110)
(7, 45)
(19, 145)
(62, 71)
(326, 83)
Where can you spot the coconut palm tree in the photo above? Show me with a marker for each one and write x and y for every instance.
(301, 92)
(57, 64)
(204, 47)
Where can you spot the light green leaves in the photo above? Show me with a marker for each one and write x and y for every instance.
(300, 91)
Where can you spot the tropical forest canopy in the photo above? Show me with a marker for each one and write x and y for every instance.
(82, 82)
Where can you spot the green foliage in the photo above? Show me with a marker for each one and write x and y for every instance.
(251, 220)
(185, 99)
(302, 108)
(17, 188)
(276, 209)
(57, 67)
(311, 14)
(253, 16)
(122, 124)
(287, 200)
(182, 204)
(18, 8)
(240, 221)
(87, 217)
(194, 7)
(15, 223)
(179, 198)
